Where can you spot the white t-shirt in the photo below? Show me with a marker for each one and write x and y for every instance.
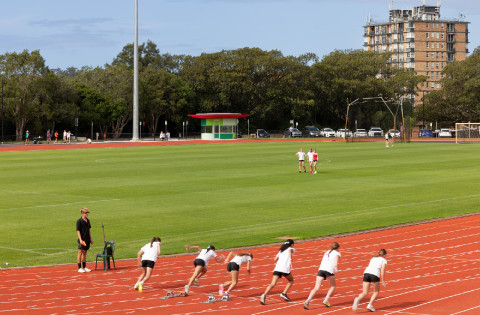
(284, 261)
(329, 261)
(375, 266)
(150, 253)
(310, 156)
(301, 156)
(240, 260)
(206, 256)
(386, 136)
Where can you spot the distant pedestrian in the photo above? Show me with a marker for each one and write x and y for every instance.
(49, 137)
(374, 273)
(56, 137)
(282, 269)
(68, 136)
(387, 138)
(327, 270)
(147, 256)
(310, 159)
(84, 240)
(64, 136)
(315, 161)
(27, 134)
(301, 160)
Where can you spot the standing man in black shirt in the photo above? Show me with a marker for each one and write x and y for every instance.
(84, 240)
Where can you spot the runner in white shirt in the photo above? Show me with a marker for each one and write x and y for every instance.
(301, 160)
(282, 269)
(147, 256)
(327, 270)
(372, 275)
(201, 263)
(234, 267)
(310, 159)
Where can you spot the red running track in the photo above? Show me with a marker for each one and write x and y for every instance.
(433, 268)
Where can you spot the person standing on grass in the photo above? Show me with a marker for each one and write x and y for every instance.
(387, 138)
(84, 240)
(234, 268)
(327, 270)
(147, 256)
(282, 269)
(301, 160)
(201, 263)
(310, 159)
(374, 273)
(315, 161)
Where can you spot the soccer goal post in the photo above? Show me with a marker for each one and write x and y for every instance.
(467, 132)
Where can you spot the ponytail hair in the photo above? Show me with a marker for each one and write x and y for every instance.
(210, 247)
(155, 239)
(382, 253)
(334, 246)
(286, 245)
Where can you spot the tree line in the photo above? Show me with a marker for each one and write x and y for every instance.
(269, 86)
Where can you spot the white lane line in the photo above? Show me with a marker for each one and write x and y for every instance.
(60, 204)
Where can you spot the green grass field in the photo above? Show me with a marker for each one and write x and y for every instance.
(226, 194)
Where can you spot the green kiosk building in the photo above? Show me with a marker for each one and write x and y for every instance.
(219, 126)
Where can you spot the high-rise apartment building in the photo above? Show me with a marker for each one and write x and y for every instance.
(419, 39)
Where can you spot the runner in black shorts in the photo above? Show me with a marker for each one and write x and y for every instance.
(84, 239)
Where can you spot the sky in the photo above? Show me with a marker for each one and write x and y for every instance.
(78, 33)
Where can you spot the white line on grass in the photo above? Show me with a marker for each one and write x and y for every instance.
(60, 204)
(310, 218)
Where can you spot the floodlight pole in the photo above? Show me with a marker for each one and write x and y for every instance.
(346, 118)
(3, 79)
(135, 78)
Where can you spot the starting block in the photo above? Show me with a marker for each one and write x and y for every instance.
(171, 295)
(212, 299)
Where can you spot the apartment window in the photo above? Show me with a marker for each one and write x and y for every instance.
(438, 85)
(438, 65)
(427, 24)
(432, 65)
(443, 35)
(438, 55)
(443, 55)
(428, 45)
(443, 45)
(428, 64)
(432, 84)
(433, 35)
(438, 75)
(428, 54)
(437, 25)
(442, 26)
(426, 74)
(438, 45)
(438, 35)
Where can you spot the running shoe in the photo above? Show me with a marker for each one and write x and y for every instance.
(140, 288)
(195, 282)
(306, 305)
(136, 286)
(81, 270)
(187, 287)
(225, 297)
(285, 297)
(355, 304)
(262, 299)
(370, 308)
(315, 172)
(327, 304)
(86, 269)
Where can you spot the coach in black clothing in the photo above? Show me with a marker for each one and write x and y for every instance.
(84, 240)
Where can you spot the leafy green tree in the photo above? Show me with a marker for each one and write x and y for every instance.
(24, 72)
(459, 98)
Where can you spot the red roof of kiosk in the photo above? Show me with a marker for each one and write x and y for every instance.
(218, 115)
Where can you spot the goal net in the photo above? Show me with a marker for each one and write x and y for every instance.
(467, 132)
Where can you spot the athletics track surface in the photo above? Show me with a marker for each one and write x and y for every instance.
(433, 268)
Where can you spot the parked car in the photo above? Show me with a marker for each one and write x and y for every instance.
(341, 133)
(425, 133)
(445, 132)
(327, 132)
(310, 131)
(375, 132)
(394, 133)
(262, 133)
(360, 133)
(292, 133)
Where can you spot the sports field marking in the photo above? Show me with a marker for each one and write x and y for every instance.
(310, 218)
(61, 204)
(467, 310)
